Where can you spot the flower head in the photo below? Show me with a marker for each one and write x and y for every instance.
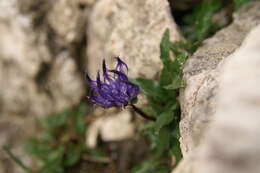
(115, 89)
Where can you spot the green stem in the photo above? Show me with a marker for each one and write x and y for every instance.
(17, 161)
(142, 114)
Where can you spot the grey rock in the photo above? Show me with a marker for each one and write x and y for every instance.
(131, 29)
(39, 69)
(231, 143)
(68, 19)
(27, 71)
(201, 73)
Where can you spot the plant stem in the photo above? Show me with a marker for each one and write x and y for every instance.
(142, 114)
(18, 161)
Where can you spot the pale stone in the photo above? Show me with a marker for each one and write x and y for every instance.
(231, 143)
(38, 75)
(68, 20)
(111, 126)
(201, 72)
(117, 128)
(131, 29)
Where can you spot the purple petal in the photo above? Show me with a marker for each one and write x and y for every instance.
(99, 83)
(105, 74)
(121, 66)
(115, 90)
(120, 75)
(92, 84)
(101, 101)
(133, 90)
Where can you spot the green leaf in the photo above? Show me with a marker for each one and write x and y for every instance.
(72, 156)
(149, 131)
(56, 154)
(240, 3)
(151, 88)
(164, 119)
(163, 141)
(176, 150)
(165, 76)
(145, 167)
(38, 148)
(80, 124)
(165, 48)
(176, 132)
(47, 136)
(199, 23)
(152, 166)
(176, 84)
(57, 120)
(98, 155)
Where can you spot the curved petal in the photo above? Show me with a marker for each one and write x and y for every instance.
(121, 65)
(92, 84)
(120, 75)
(105, 73)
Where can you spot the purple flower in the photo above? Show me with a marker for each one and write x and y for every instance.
(115, 89)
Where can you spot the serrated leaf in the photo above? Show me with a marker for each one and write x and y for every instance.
(165, 48)
(177, 65)
(176, 84)
(165, 77)
(164, 119)
(163, 141)
(151, 88)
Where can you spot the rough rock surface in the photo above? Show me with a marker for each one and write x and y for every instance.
(39, 65)
(201, 74)
(232, 142)
(131, 29)
(111, 125)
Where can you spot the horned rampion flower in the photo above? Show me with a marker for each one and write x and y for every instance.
(115, 89)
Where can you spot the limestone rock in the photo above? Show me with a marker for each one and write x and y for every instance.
(68, 20)
(111, 126)
(131, 29)
(201, 73)
(232, 142)
(38, 74)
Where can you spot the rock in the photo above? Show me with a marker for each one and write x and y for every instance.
(231, 144)
(39, 69)
(131, 29)
(31, 73)
(13, 132)
(111, 126)
(67, 18)
(201, 73)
